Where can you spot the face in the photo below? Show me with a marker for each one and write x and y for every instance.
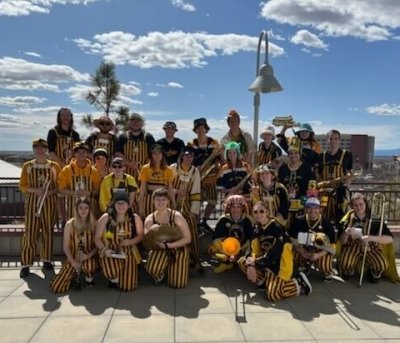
(232, 155)
(40, 150)
(156, 156)
(260, 213)
(304, 135)
(267, 138)
(201, 130)
(359, 207)
(313, 212)
(187, 158)
(105, 126)
(265, 178)
(334, 141)
(66, 117)
(121, 206)
(169, 132)
(83, 210)
(81, 155)
(161, 202)
(236, 210)
(135, 124)
(294, 156)
(100, 160)
(118, 168)
(234, 122)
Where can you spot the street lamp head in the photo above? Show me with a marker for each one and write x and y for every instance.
(265, 82)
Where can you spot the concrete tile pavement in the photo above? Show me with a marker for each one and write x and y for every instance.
(213, 308)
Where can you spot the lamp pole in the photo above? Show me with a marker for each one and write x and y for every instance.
(265, 82)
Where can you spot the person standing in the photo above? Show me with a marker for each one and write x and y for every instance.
(39, 184)
(236, 134)
(268, 151)
(79, 179)
(134, 146)
(104, 138)
(172, 145)
(187, 189)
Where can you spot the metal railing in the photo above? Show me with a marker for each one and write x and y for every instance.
(12, 200)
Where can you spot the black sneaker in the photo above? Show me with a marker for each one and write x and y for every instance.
(304, 283)
(112, 285)
(24, 272)
(89, 284)
(48, 266)
(77, 285)
(372, 277)
(328, 278)
(199, 268)
(262, 287)
(159, 280)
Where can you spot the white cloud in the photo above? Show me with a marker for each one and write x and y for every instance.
(366, 19)
(186, 6)
(308, 39)
(152, 94)
(21, 100)
(175, 49)
(384, 110)
(25, 7)
(19, 74)
(174, 85)
(32, 53)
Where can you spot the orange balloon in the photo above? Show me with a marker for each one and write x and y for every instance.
(231, 246)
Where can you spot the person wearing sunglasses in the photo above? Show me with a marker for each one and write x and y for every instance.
(104, 138)
(117, 181)
(269, 261)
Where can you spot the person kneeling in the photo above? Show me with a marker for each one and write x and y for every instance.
(167, 238)
(270, 262)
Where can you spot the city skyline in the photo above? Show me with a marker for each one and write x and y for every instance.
(180, 60)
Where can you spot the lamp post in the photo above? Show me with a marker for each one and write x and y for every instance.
(265, 82)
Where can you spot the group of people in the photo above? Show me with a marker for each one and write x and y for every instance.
(121, 197)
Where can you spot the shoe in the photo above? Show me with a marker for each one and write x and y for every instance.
(373, 277)
(89, 284)
(348, 274)
(77, 285)
(159, 280)
(112, 285)
(304, 283)
(262, 287)
(222, 267)
(24, 272)
(328, 278)
(199, 268)
(48, 266)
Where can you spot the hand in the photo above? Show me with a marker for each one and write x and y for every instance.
(108, 252)
(125, 243)
(75, 264)
(250, 261)
(39, 191)
(251, 274)
(83, 193)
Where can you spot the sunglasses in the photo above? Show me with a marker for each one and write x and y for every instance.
(104, 123)
(258, 211)
(117, 166)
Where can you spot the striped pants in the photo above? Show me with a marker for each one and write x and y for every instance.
(194, 247)
(276, 288)
(62, 281)
(323, 264)
(352, 252)
(38, 228)
(174, 262)
(124, 270)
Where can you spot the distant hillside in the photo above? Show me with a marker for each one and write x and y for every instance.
(387, 152)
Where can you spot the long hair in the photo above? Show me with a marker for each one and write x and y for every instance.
(163, 162)
(112, 213)
(84, 224)
(59, 118)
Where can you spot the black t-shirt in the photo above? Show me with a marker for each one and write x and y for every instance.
(172, 150)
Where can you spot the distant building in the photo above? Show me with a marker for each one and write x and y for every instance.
(361, 146)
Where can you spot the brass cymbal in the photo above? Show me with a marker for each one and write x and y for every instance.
(165, 233)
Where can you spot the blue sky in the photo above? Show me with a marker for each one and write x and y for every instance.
(179, 60)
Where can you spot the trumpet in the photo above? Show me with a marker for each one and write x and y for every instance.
(42, 198)
(287, 121)
(377, 213)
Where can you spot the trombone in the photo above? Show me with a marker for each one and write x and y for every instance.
(377, 213)
(287, 121)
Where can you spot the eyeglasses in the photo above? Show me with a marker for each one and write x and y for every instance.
(258, 211)
(117, 166)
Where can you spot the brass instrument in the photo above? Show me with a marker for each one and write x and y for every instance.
(80, 185)
(208, 164)
(184, 182)
(287, 121)
(42, 198)
(164, 234)
(377, 213)
(318, 240)
(241, 184)
(326, 185)
(81, 246)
